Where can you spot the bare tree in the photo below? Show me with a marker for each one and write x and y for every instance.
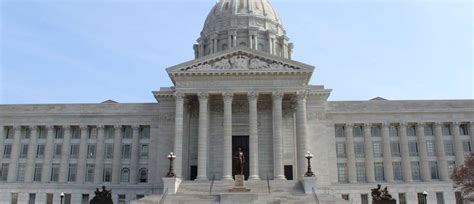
(463, 177)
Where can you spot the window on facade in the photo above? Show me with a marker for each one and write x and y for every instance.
(58, 148)
(125, 175)
(415, 170)
(140, 196)
(393, 131)
(25, 132)
(109, 132)
(341, 149)
(38, 172)
(122, 199)
(55, 173)
(109, 151)
(74, 153)
(144, 132)
(342, 173)
(144, 151)
(58, 132)
(126, 151)
(127, 132)
(90, 172)
(72, 173)
(357, 131)
(143, 173)
(464, 129)
(42, 132)
(421, 198)
(359, 149)
(395, 148)
(397, 171)
(340, 131)
(466, 145)
(451, 166)
(40, 151)
(107, 173)
(9, 132)
(377, 146)
(413, 148)
(20, 176)
(7, 152)
(49, 198)
(431, 148)
(439, 198)
(379, 174)
(375, 131)
(411, 130)
(345, 196)
(14, 198)
(446, 129)
(75, 132)
(459, 198)
(449, 148)
(4, 172)
(429, 129)
(67, 198)
(92, 134)
(364, 199)
(434, 170)
(85, 199)
(24, 151)
(360, 172)
(31, 198)
(402, 198)
(91, 150)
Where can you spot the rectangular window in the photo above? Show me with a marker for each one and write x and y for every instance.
(402, 198)
(49, 198)
(109, 132)
(55, 173)
(144, 151)
(4, 172)
(341, 149)
(14, 198)
(58, 132)
(411, 130)
(439, 198)
(359, 149)
(446, 129)
(25, 132)
(395, 148)
(42, 132)
(429, 130)
(90, 172)
(415, 170)
(397, 171)
(9, 132)
(451, 166)
(434, 170)
(340, 131)
(449, 148)
(91, 150)
(31, 198)
(122, 199)
(358, 131)
(360, 172)
(144, 132)
(127, 132)
(126, 151)
(7, 152)
(107, 174)
(364, 198)
(67, 198)
(459, 197)
(40, 151)
(71, 177)
(393, 131)
(377, 149)
(431, 147)
(464, 129)
(24, 151)
(21, 172)
(58, 148)
(74, 151)
(85, 199)
(38, 172)
(342, 173)
(345, 197)
(375, 131)
(413, 148)
(75, 132)
(466, 145)
(421, 198)
(379, 174)
(92, 134)
(109, 151)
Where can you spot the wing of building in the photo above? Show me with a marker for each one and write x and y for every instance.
(242, 90)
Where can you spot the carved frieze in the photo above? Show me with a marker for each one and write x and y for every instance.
(166, 117)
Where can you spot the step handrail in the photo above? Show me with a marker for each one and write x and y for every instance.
(316, 200)
(268, 185)
(163, 197)
(212, 184)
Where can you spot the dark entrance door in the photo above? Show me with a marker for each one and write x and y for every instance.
(194, 172)
(289, 172)
(242, 142)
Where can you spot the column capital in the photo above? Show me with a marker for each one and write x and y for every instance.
(349, 125)
(16, 127)
(228, 96)
(367, 125)
(301, 95)
(33, 127)
(49, 127)
(438, 124)
(456, 124)
(66, 127)
(100, 127)
(252, 95)
(179, 95)
(403, 124)
(83, 127)
(386, 125)
(135, 127)
(203, 96)
(420, 124)
(117, 126)
(277, 95)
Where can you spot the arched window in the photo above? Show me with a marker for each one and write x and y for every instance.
(125, 175)
(224, 47)
(143, 175)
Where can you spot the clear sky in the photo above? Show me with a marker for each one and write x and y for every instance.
(73, 51)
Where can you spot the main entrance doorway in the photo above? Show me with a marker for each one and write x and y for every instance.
(243, 143)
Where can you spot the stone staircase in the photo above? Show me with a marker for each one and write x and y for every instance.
(290, 192)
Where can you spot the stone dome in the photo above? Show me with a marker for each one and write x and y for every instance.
(250, 23)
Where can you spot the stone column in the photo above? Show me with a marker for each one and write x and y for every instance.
(15, 155)
(99, 160)
(2, 141)
(229, 40)
(441, 154)
(202, 136)
(48, 155)
(256, 40)
(369, 154)
(227, 162)
(277, 136)
(64, 166)
(270, 43)
(423, 152)
(458, 147)
(471, 132)
(301, 132)
(235, 39)
(30, 160)
(116, 160)
(253, 134)
(135, 155)
(81, 161)
(351, 160)
(405, 153)
(178, 133)
(387, 153)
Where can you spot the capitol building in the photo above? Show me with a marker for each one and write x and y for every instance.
(242, 90)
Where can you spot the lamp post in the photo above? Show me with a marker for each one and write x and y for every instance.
(62, 196)
(171, 173)
(425, 194)
(309, 173)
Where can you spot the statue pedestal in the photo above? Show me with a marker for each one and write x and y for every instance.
(309, 183)
(239, 185)
(172, 184)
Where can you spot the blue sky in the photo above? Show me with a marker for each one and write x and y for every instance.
(64, 51)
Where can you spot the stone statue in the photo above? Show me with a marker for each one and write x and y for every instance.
(240, 62)
(256, 63)
(222, 65)
(380, 195)
(240, 157)
(102, 197)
